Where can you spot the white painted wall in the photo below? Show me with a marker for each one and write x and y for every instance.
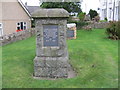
(109, 9)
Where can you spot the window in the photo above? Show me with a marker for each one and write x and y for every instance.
(18, 26)
(21, 26)
(25, 25)
(1, 29)
(105, 13)
(104, 3)
(110, 12)
(116, 10)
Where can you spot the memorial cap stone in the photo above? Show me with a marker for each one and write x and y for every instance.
(45, 13)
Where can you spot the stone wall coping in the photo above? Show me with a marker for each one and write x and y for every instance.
(71, 25)
(16, 36)
(53, 13)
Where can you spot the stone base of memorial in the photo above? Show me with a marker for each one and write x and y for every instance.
(51, 67)
(51, 59)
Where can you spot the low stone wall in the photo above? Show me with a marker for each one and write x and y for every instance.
(99, 25)
(6, 39)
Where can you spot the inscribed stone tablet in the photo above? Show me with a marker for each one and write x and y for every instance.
(70, 33)
(50, 35)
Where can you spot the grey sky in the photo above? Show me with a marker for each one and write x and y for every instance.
(86, 5)
(31, 2)
(90, 4)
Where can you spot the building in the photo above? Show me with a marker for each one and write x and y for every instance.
(119, 12)
(14, 17)
(110, 9)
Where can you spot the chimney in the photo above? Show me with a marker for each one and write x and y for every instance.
(25, 3)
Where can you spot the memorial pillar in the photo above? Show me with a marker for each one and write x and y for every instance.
(51, 49)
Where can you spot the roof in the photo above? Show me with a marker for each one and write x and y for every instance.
(23, 6)
(57, 12)
(31, 9)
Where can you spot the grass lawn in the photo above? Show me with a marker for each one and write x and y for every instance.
(94, 57)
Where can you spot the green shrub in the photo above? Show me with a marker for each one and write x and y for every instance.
(113, 30)
(103, 21)
(118, 28)
(106, 19)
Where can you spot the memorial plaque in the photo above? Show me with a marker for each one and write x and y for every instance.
(70, 33)
(50, 35)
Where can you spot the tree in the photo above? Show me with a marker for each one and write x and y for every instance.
(81, 16)
(69, 6)
(93, 13)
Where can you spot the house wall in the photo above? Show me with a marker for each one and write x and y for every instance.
(109, 10)
(11, 27)
(0, 12)
(1, 30)
(119, 12)
(12, 13)
(102, 9)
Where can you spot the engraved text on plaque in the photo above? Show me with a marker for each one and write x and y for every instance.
(50, 35)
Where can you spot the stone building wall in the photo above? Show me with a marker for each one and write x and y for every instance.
(7, 39)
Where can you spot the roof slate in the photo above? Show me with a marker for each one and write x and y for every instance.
(23, 6)
(31, 9)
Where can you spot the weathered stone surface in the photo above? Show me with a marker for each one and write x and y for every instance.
(6, 39)
(51, 60)
(98, 25)
(51, 72)
(42, 72)
(50, 13)
(59, 73)
(41, 50)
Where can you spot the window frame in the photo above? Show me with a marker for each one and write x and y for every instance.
(18, 25)
(24, 25)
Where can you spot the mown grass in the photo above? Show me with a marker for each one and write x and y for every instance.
(93, 56)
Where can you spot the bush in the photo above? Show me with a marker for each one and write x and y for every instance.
(106, 19)
(97, 18)
(80, 24)
(103, 21)
(113, 30)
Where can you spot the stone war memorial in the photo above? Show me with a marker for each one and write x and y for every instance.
(51, 59)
